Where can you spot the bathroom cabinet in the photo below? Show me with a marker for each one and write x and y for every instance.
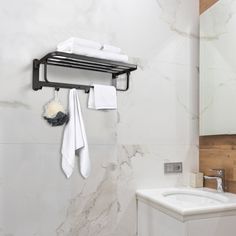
(153, 222)
(203, 212)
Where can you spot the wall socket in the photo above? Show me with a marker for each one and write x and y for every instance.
(173, 167)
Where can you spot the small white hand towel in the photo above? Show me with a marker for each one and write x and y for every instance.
(75, 140)
(102, 97)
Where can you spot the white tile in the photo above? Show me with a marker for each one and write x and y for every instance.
(36, 198)
(156, 118)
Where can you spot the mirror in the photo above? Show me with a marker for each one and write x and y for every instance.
(218, 69)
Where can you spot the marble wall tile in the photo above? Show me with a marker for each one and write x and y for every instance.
(22, 121)
(156, 120)
(166, 94)
(37, 199)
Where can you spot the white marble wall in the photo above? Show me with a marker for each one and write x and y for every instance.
(157, 119)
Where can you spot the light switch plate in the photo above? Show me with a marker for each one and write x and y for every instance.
(173, 167)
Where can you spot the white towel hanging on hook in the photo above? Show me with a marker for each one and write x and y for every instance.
(75, 139)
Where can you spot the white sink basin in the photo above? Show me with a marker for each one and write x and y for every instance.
(189, 203)
(190, 198)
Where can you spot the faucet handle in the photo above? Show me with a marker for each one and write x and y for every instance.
(220, 172)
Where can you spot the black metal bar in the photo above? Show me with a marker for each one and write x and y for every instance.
(80, 67)
(86, 58)
(79, 62)
(89, 62)
(64, 85)
(82, 63)
(85, 67)
(83, 87)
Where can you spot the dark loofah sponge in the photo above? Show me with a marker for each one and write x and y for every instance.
(60, 119)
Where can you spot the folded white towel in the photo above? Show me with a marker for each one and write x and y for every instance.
(90, 52)
(102, 97)
(75, 140)
(110, 48)
(73, 42)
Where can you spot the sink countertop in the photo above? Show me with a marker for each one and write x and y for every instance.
(189, 203)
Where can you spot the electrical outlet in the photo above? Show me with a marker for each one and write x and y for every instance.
(173, 167)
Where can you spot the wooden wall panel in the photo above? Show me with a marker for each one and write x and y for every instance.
(219, 152)
(205, 4)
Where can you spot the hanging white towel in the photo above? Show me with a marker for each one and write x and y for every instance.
(75, 140)
(102, 97)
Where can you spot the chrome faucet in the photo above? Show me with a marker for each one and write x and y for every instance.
(219, 177)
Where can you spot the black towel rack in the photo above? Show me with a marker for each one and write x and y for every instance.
(79, 62)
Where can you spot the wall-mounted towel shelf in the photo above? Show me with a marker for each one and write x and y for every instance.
(79, 62)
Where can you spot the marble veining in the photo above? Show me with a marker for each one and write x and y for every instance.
(14, 104)
(170, 14)
(95, 214)
(131, 152)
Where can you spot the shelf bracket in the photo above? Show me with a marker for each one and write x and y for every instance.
(114, 78)
(36, 83)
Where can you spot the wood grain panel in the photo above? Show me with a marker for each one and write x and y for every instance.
(219, 152)
(205, 4)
